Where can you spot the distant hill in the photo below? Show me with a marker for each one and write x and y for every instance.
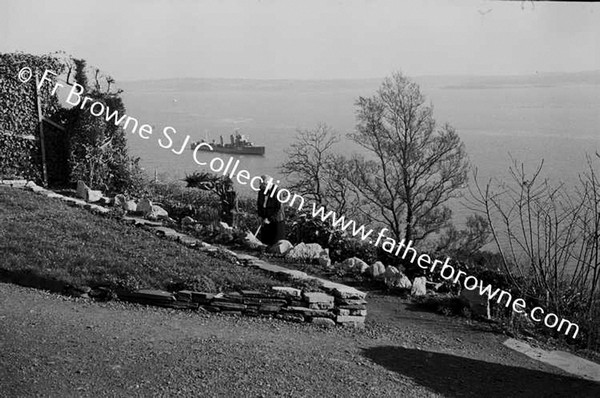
(536, 80)
(450, 82)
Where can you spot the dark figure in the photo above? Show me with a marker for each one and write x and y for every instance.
(271, 212)
(228, 202)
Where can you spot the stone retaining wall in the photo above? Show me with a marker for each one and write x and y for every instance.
(282, 302)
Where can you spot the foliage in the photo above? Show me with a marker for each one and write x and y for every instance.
(18, 108)
(98, 150)
(416, 168)
(412, 170)
(18, 112)
(209, 182)
(303, 227)
(19, 157)
(99, 154)
(180, 201)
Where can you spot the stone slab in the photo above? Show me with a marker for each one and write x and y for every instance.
(189, 240)
(267, 308)
(317, 297)
(563, 360)
(228, 306)
(14, 183)
(154, 294)
(309, 312)
(262, 300)
(289, 291)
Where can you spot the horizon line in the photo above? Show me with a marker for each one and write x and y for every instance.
(280, 79)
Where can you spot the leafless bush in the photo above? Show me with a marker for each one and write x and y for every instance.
(548, 237)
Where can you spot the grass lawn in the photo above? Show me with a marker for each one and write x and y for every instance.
(46, 238)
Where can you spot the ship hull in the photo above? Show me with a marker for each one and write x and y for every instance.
(244, 150)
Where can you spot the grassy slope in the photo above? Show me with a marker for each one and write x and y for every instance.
(48, 238)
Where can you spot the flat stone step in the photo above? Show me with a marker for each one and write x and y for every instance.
(563, 360)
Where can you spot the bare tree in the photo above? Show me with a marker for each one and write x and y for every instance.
(548, 237)
(308, 159)
(414, 168)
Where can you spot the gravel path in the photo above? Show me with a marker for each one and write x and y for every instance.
(56, 346)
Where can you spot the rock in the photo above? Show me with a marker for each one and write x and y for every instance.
(148, 296)
(87, 194)
(325, 261)
(157, 213)
(290, 291)
(355, 264)
(282, 247)
(364, 267)
(308, 311)
(317, 297)
(325, 322)
(252, 242)
(346, 292)
(394, 278)
(187, 220)
(377, 270)
(320, 301)
(269, 308)
(419, 286)
(98, 209)
(224, 305)
(303, 251)
(81, 189)
(184, 295)
(350, 302)
(225, 227)
(144, 206)
(391, 275)
(479, 304)
(130, 206)
(294, 274)
(94, 196)
(404, 282)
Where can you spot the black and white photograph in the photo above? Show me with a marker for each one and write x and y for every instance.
(299, 198)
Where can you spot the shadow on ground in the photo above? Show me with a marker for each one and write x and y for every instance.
(455, 376)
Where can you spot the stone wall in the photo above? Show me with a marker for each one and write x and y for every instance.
(282, 302)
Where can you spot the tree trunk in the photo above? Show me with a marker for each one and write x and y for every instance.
(408, 231)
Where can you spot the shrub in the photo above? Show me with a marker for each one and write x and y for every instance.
(305, 228)
(180, 201)
(18, 158)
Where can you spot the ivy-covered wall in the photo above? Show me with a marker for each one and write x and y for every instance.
(19, 156)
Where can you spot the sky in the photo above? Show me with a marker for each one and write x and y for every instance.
(307, 39)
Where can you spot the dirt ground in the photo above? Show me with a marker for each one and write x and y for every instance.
(56, 346)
